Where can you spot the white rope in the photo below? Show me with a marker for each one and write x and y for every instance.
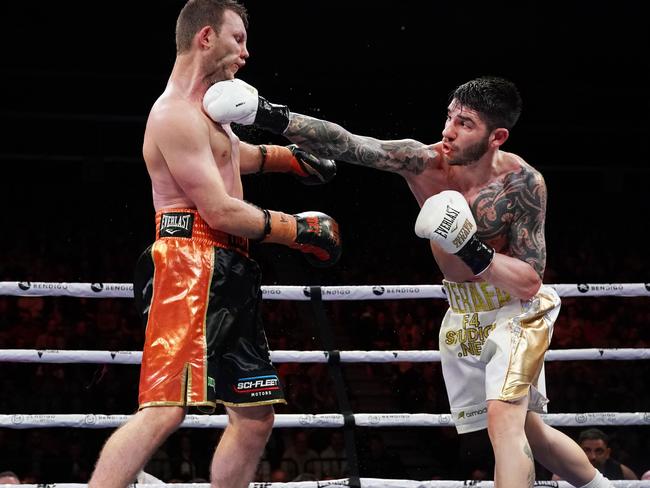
(56, 356)
(344, 483)
(135, 357)
(301, 293)
(622, 354)
(382, 483)
(329, 420)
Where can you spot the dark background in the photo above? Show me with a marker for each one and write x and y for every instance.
(79, 79)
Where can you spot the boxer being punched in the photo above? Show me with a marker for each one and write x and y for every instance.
(196, 287)
(483, 211)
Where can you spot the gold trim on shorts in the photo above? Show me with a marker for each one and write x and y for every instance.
(252, 404)
(531, 336)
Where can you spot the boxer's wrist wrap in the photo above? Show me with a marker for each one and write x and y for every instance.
(281, 228)
(263, 152)
(267, 226)
(476, 254)
(272, 117)
(280, 159)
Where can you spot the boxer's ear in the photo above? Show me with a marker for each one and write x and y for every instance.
(205, 38)
(498, 137)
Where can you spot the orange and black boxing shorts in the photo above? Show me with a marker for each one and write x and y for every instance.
(199, 297)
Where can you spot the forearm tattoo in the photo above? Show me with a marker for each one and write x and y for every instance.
(510, 215)
(328, 140)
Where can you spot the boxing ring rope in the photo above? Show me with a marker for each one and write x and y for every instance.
(344, 483)
(325, 420)
(55, 356)
(325, 293)
(302, 293)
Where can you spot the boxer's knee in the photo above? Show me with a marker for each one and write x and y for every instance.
(256, 423)
(166, 419)
(506, 419)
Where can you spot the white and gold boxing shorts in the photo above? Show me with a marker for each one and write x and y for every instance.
(492, 347)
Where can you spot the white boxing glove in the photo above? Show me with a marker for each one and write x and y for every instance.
(231, 101)
(447, 220)
(236, 101)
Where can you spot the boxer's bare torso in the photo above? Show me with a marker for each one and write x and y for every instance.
(507, 196)
(167, 191)
(499, 196)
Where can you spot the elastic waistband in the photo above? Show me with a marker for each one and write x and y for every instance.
(476, 296)
(186, 223)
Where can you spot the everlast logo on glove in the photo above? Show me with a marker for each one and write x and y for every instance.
(176, 224)
(447, 220)
(445, 226)
(463, 233)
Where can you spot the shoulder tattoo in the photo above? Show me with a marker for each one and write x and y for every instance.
(511, 214)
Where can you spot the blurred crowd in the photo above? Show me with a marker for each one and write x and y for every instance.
(67, 455)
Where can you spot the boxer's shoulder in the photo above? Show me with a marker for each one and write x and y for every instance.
(515, 173)
(169, 108)
(513, 164)
(529, 180)
(175, 118)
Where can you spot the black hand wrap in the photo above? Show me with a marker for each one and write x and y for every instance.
(476, 254)
(267, 226)
(272, 117)
(263, 153)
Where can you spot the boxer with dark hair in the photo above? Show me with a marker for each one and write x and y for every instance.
(483, 211)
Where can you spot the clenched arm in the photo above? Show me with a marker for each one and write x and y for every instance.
(329, 140)
(521, 204)
(527, 238)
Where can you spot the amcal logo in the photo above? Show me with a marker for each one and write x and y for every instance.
(463, 414)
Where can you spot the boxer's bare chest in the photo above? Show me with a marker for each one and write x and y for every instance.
(494, 204)
(225, 150)
(494, 212)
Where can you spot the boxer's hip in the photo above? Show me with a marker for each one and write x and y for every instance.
(187, 225)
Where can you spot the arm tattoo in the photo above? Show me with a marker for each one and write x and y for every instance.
(531, 472)
(511, 214)
(328, 140)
